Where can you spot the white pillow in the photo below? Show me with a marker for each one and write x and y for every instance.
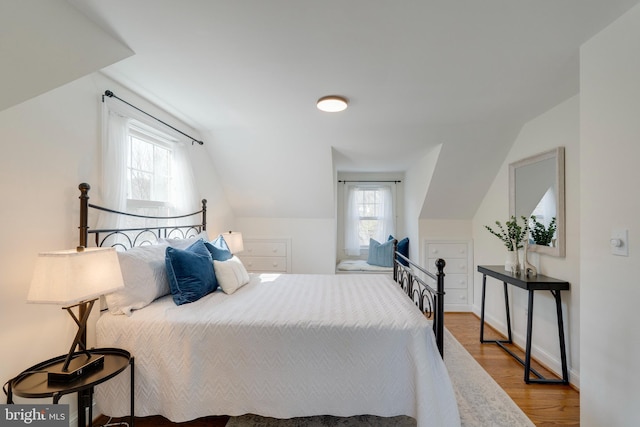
(184, 243)
(145, 279)
(230, 274)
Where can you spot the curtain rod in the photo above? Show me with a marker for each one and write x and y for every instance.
(377, 180)
(112, 95)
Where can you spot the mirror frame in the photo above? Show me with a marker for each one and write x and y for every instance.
(558, 154)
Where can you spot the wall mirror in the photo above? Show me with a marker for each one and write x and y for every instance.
(536, 188)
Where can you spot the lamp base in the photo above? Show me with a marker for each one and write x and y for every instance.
(79, 366)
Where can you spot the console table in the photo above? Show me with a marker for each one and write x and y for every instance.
(530, 284)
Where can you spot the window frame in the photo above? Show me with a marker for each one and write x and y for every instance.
(154, 137)
(379, 186)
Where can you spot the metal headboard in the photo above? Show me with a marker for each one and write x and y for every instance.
(137, 235)
(430, 301)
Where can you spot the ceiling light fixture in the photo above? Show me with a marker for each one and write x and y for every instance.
(332, 103)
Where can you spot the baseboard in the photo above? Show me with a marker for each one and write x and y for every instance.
(538, 354)
(457, 308)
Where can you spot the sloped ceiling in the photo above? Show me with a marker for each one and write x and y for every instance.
(45, 44)
(417, 73)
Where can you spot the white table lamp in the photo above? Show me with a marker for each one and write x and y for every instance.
(234, 241)
(76, 278)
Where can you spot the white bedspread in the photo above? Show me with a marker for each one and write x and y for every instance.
(282, 346)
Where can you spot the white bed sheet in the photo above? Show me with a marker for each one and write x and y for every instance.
(282, 346)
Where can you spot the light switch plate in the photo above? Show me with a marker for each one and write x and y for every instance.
(620, 242)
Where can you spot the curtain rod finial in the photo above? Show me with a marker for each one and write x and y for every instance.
(108, 93)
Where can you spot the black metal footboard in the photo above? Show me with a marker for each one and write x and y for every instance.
(412, 278)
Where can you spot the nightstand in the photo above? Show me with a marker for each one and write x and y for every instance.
(267, 255)
(32, 383)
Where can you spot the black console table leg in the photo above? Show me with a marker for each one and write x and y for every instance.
(484, 289)
(563, 350)
(527, 356)
(506, 304)
(528, 370)
(507, 312)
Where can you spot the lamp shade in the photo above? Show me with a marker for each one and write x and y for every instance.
(70, 276)
(234, 241)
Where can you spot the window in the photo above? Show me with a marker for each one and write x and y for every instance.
(370, 214)
(149, 173)
(146, 169)
(370, 205)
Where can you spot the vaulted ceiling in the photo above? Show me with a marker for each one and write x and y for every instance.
(418, 73)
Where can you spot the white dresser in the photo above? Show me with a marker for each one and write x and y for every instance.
(458, 281)
(267, 255)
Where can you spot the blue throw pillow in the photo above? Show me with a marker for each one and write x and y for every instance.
(403, 248)
(219, 249)
(380, 254)
(190, 272)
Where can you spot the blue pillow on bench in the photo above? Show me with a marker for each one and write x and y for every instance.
(403, 248)
(380, 254)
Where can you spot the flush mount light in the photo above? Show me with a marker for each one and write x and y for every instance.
(332, 103)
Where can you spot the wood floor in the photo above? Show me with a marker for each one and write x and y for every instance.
(545, 405)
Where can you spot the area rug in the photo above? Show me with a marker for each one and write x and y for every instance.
(481, 401)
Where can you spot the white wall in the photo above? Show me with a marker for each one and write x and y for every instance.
(442, 229)
(557, 127)
(313, 241)
(51, 144)
(417, 179)
(610, 150)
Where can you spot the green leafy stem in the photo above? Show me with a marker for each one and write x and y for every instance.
(542, 235)
(514, 233)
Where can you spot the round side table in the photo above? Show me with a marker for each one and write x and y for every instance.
(33, 382)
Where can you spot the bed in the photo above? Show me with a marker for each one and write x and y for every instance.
(282, 346)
